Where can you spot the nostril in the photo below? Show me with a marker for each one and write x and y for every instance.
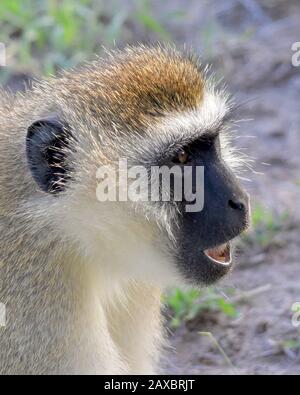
(237, 205)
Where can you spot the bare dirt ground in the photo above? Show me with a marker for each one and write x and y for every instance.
(250, 42)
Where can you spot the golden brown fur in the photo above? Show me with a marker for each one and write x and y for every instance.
(136, 85)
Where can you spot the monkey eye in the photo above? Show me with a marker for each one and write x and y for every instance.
(182, 157)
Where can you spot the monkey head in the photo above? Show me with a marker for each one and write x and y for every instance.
(154, 107)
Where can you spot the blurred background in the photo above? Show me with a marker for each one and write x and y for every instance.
(244, 325)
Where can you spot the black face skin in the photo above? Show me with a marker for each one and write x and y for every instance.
(224, 217)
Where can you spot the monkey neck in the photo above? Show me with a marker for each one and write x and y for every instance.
(60, 305)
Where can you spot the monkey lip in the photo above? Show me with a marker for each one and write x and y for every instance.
(220, 254)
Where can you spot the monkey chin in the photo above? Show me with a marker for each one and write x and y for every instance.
(217, 262)
(208, 266)
(214, 264)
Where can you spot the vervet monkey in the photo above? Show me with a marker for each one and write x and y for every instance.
(82, 279)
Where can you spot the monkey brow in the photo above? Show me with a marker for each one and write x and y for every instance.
(162, 152)
(167, 145)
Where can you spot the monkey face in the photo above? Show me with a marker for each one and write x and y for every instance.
(154, 108)
(204, 250)
(200, 242)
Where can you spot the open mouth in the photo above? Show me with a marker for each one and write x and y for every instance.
(221, 254)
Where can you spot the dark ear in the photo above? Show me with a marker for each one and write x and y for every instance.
(47, 140)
